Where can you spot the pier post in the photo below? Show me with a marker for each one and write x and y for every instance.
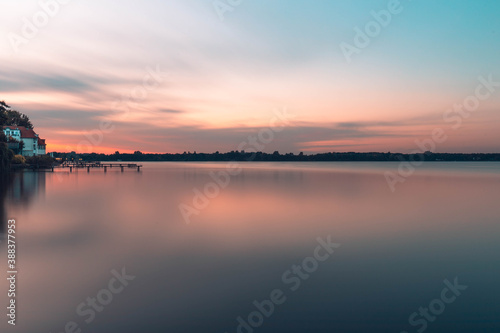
(105, 169)
(121, 166)
(88, 169)
(70, 169)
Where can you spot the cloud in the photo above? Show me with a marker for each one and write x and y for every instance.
(171, 111)
(225, 77)
(26, 81)
(145, 137)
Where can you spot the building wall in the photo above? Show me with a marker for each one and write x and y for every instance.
(31, 147)
(16, 134)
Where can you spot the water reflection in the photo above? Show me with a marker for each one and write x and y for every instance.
(397, 248)
(282, 177)
(5, 183)
(19, 189)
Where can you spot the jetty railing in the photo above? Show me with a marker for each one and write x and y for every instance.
(99, 165)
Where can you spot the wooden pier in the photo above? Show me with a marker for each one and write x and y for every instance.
(98, 165)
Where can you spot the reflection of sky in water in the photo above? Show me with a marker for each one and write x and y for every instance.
(397, 248)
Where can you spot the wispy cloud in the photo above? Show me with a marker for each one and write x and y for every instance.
(225, 77)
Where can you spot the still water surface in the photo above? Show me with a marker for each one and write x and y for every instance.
(395, 249)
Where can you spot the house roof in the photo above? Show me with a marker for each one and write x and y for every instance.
(25, 132)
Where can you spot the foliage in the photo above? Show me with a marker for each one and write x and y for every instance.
(18, 159)
(42, 161)
(21, 143)
(5, 158)
(277, 157)
(10, 117)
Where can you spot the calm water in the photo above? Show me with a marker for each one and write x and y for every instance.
(393, 250)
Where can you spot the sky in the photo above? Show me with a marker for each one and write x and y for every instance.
(203, 75)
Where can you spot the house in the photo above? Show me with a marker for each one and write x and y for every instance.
(33, 144)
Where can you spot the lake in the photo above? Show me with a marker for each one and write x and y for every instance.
(255, 247)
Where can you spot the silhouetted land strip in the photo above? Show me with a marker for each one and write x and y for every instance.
(277, 157)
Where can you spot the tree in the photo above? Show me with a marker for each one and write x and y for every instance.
(19, 159)
(9, 117)
(3, 115)
(5, 158)
(20, 143)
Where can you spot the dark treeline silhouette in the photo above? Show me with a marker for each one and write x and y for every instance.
(242, 156)
(5, 158)
(5, 183)
(10, 117)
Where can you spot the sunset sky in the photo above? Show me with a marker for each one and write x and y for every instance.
(222, 80)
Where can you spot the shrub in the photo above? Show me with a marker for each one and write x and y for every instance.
(43, 161)
(18, 159)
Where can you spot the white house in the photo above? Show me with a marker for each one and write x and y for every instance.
(33, 145)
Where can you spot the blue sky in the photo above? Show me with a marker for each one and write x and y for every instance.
(224, 78)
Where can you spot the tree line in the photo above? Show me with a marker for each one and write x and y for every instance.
(242, 156)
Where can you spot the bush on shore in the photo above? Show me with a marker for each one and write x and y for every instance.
(19, 159)
(42, 161)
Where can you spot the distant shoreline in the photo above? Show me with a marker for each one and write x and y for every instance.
(276, 157)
